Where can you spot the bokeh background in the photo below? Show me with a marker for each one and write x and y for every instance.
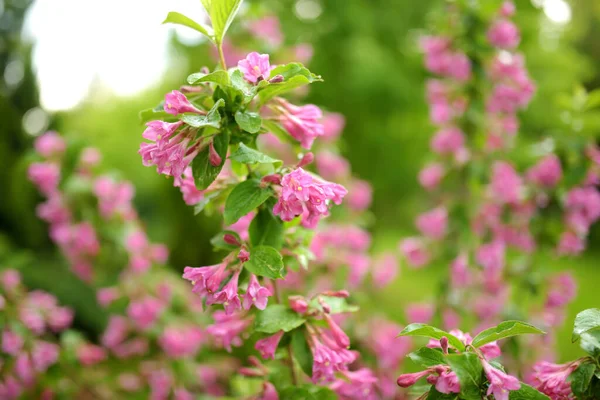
(86, 68)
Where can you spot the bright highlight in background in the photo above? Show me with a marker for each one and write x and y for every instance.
(119, 44)
(557, 11)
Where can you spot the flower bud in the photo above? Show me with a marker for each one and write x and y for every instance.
(243, 255)
(307, 159)
(214, 157)
(298, 304)
(326, 308)
(339, 335)
(407, 380)
(250, 372)
(339, 293)
(444, 344)
(231, 239)
(274, 178)
(277, 79)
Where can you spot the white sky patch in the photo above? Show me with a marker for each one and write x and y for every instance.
(557, 11)
(120, 43)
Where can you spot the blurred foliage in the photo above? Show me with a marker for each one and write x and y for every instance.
(366, 51)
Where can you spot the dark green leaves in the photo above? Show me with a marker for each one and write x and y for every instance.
(222, 13)
(295, 75)
(504, 330)
(180, 19)
(586, 321)
(581, 378)
(219, 77)
(244, 198)
(308, 392)
(432, 332)
(248, 121)
(204, 172)
(265, 261)
(266, 229)
(247, 155)
(212, 118)
(526, 392)
(468, 369)
(277, 317)
(427, 357)
(301, 351)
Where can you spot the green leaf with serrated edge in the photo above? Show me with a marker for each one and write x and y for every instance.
(526, 392)
(219, 77)
(435, 395)
(432, 332)
(248, 121)
(244, 87)
(427, 357)
(337, 305)
(277, 317)
(245, 197)
(468, 369)
(266, 229)
(218, 242)
(585, 321)
(265, 261)
(581, 378)
(301, 350)
(152, 114)
(176, 18)
(247, 155)
(212, 118)
(204, 172)
(222, 14)
(294, 69)
(504, 330)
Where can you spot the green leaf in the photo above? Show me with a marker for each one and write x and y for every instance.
(585, 321)
(308, 392)
(277, 317)
(180, 19)
(295, 75)
(581, 378)
(218, 242)
(337, 305)
(526, 392)
(468, 369)
(219, 77)
(279, 131)
(244, 198)
(247, 155)
(301, 350)
(435, 395)
(432, 332)
(248, 121)
(265, 261)
(590, 342)
(266, 229)
(198, 207)
(212, 118)
(504, 330)
(151, 114)
(204, 172)
(222, 13)
(427, 357)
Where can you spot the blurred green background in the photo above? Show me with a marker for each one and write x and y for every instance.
(366, 51)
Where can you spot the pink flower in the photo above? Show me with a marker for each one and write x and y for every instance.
(333, 125)
(89, 354)
(504, 34)
(447, 383)
(570, 244)
(328, 356)
(227, 329)
(10, 279)
(303, 52)
(228, 296)
(267, 29)
(360, 195)
(145, 312)
(385, 270)
(552, 379)
(160, 131)
(43, 355)
(302, 122)
(115, 332)
(389, 349)
(187, 186)
(562, 290)
(506, 185)
(268, 345)
(448, 140)
(49, 144)
(547, 172)
(105, 296)
(332, 166)
(242, 225)
(255, 67)
(179, 342)
(460, 275)
(90, 157)
(256, 295)
(177, 103)
(11, 343)
(500, 383)
(433, 223)
(303, 194)
(431, 176)
(419, 312)
(356, 385)
(114, 198)
(507, 9)
(414, 251)
(206, 280)
(45, 176)
(269, 392)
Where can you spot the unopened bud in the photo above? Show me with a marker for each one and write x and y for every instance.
(205, 70)
(231, 239)
(298, 304)
(274, 178)
(251, 372)
(325, 306)
(243, 255)
(214, 157)
(277, 79)
(339, 293)
(407, 380)
(444, 344)
(307, 159)
(338, 334)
